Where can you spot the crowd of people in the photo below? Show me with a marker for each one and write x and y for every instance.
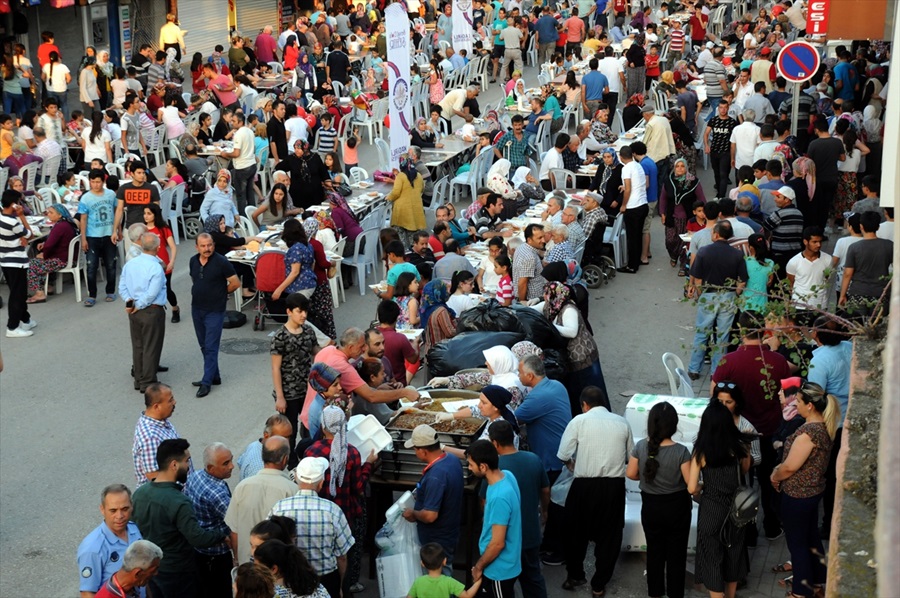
(296, 523)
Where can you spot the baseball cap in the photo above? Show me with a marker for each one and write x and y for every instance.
(710, 45)
(423, 435)
(765, 51)
(787, 192)
(483, 191)
(648, 108)
(311, 469)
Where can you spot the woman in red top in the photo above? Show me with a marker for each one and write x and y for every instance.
(291, 53)
(198, 80)
(322, 304)
(157, 225)
(345, 480)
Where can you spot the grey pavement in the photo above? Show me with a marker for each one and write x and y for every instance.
(67, 410)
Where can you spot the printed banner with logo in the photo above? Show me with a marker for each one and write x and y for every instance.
(398, 53)
(462, 26)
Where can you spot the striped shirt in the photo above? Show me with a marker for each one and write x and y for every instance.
(676, 40)
(786, 226)
(713, 72)
(327, 139)
(12, 253)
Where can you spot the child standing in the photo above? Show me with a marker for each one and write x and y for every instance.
(502, 268)
(326, 135)
(350, 151)
(157, 225)
(651, 61)
(405, 296)
(292, 350)
(436, 584)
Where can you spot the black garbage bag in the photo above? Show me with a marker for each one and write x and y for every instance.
(555, 364)
(488, 316)
(465, 350)
(538, 329)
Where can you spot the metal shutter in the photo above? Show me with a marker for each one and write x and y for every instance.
(253, 15)
(206, 23)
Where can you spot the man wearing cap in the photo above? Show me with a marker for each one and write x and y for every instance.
(705, 57)
(101, 552)
(481, 196)
(323, 533)
(784, 227)
(439, 498)
(763, 70)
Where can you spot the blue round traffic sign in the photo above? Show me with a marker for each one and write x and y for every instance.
(798, 61)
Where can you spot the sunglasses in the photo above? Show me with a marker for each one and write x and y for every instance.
(726, 385)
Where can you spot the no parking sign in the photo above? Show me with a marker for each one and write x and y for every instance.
(798, 61)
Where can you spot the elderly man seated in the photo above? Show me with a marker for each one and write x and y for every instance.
(555, 204)
(562, 250)
(570, 220)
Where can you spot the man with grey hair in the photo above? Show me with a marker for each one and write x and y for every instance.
(214, 279)
(100, 553)
(255, 496)
(744, 139)
(143, 288)
(251, 460)
(415, 154)
(139, 565)
(570, 220)
(454, 102)
(555, 204)
(588, 142)
(210, 497)
(265, 46)
(547, 412)
(743, 208)
(352, 346)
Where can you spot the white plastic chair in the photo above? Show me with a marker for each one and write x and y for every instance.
(358, 174)
(116, 170)
(43, 198)
(248, 211)
(364, 259)
(4, 176)
(672, 363)
(472, 178)
(571, 112)
(384, 154)
(531, 54)
(246, 227)
(440, 192)
(562, 179)
(156, 144)
(277, 68)
(684, 389)
(175, 151)
(74, 266)
(28, 174)
(372, 123)
(49, 170)
(337, 281)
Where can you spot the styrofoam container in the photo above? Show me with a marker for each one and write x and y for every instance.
(689, 413)
(367, 435)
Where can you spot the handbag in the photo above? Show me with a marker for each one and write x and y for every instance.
(743, 511)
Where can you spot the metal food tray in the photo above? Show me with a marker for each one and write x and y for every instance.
(401, 435)
(402, 464)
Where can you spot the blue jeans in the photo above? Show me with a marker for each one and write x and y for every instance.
(208, 326)
(800, 518)
(14, 104)
(101, 247)
(715, 312)
(531, 580)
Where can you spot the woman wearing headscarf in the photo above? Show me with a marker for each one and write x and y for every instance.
(873, 127)
(19, 158)
(525, 184)
(523, 349)
(583, 364)
(498, 179)
(635, 67)
(173, 70)
(676, 199)
(326, 383)
(569, 273)
(493, 405)
(436, 318)
(492, 122)
(631, 113)
(408, 215)
(502, 370)
(224, 242)
(309, 177)
(667, 83)
(423, 136)
(321, 303)
(299, 262)
(345, 221)
(106, 72)
(53, 253)
(608, 182)
(306, 73)
(684, 71)
(518, 96)
(345, 481)
(220, 199)
(803, 183)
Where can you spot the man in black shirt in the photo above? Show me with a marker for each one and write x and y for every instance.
(420, 252)
(337, 65)
(132, 198)
(718, 276)
(214, 278)
(277, 136)
(717, 143)
(486, 221)
(825, 151)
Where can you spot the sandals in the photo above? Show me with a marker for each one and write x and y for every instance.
(784, 582)
(90, 302)
(783, 567)
(110, 298)
(32, 300)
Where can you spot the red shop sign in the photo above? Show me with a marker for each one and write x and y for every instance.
(817, 17)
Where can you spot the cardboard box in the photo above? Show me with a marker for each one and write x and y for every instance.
(396, 574)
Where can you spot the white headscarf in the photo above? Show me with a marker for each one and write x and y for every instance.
(505, 366)
(519, 177)
(872, 124)
(334, 421)
(520, 93)
(498, 178)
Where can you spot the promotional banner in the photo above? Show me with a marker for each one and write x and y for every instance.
(462, 26)
(398, 53)
(817, 17)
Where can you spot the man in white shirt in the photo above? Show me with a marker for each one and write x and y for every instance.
(744, 139)
(634, 207)
(615, 75)
(597, 444)
(454, 102)
(806, 273)
(743, 89)
(295, 126)
(588, 142)
(705, 56)
(886, 230)
(243, 161)
(759, 103)
(553, 159)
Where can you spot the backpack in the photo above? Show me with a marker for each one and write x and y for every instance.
(743, 511)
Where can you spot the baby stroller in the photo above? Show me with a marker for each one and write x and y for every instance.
(269, 275)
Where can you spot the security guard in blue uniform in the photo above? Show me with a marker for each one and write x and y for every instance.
(100, 554)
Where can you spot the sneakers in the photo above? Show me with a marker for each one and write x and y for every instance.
(28, 325)
(18, 332)
(357, 588)
(553, 559)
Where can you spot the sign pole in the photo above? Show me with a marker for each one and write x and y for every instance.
(795, 108)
